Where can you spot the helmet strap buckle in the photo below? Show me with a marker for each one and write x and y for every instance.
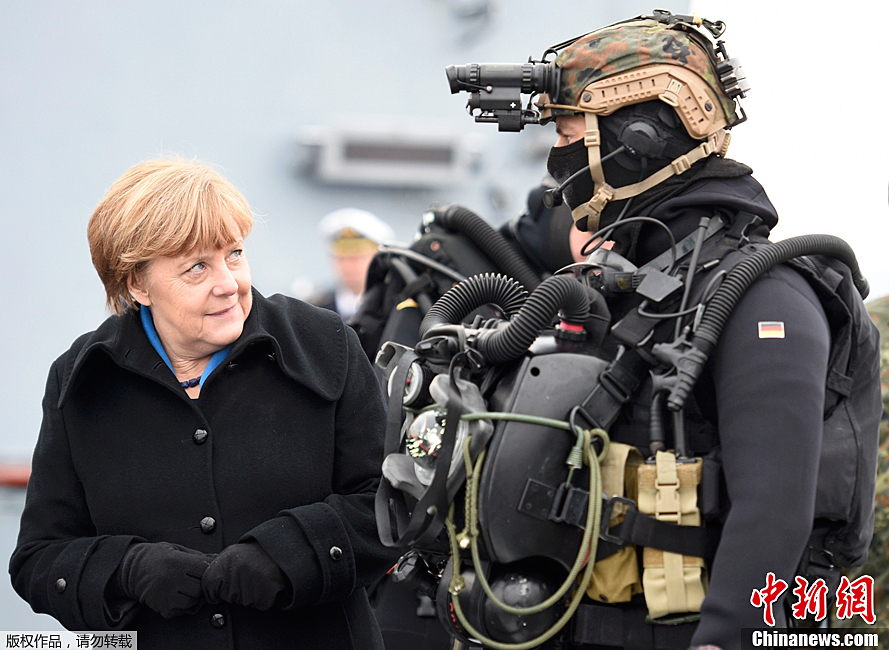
(601, 198)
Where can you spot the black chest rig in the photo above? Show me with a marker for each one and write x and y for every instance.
(510, 440)
(643, 301)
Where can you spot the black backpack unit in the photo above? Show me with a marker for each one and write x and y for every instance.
(844, 501)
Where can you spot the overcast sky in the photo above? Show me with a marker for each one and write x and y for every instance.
(816, 135)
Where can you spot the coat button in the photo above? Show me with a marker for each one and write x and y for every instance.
(61, 585)
(208, 525)
(217, 620)
(335, 553)
(200, 436)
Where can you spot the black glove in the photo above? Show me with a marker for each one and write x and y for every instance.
(244, 574)
(164, 577)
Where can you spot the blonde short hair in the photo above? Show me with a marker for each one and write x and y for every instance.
(161, 208)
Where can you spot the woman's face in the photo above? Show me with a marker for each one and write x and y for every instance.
(199, 301)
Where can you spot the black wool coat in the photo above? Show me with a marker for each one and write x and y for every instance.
(283, 447)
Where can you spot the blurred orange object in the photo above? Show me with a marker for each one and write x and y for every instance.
(12, 475)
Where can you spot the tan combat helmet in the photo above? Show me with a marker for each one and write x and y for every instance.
(661, 57)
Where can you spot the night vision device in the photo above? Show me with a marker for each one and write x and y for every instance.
(497, 88)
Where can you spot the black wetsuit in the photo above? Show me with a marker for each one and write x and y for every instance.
(765, 397)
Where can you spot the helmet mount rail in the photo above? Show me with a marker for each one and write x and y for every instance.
(716, 28)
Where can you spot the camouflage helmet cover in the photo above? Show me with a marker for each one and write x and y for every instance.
(633, 44)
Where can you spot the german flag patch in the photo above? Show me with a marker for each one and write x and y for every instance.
(771, 329)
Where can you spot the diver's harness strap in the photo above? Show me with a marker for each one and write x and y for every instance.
(616, 386)
(570, 506)
(420, 285)
(627, 626)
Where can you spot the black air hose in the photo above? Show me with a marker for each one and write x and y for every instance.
(736, 283)
(743, 275)
(467, 296)
(496, 346)
(555, 293)
(491, 242)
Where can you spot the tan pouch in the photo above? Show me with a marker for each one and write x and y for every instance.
(616, 578)
(673, 583)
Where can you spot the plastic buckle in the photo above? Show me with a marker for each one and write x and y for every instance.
(614, 389)
(607, 509)
(584, 414)
(601, 198)
(566, 496)
(681, 165)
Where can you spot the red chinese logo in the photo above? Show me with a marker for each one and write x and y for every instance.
(854, 598)
(765, 598)
(812, 600)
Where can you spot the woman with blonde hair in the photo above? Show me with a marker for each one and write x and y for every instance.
(208, 458)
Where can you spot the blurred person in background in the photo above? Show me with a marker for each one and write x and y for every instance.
(206, 466)
(353, 237)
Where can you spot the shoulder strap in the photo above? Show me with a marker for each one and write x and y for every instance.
(826, 281)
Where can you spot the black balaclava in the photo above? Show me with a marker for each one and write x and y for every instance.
(564, 161)
(667, 140)
(654, 137)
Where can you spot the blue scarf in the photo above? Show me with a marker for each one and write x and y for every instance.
(148, 326)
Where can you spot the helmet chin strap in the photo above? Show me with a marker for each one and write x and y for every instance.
(716, 143)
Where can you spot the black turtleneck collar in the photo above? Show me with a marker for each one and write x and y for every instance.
(715, 184)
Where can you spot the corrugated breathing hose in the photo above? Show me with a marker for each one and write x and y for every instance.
(555, 294)
(491, 242)
(733, 287)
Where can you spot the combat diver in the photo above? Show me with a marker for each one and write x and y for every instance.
(786, 406)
